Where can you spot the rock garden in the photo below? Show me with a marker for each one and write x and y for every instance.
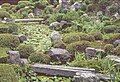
(60, 41)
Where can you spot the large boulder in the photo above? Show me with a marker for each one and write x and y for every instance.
(14, 58)
(92, 52)
(61, 55)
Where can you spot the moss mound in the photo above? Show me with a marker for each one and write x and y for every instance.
(7, 73)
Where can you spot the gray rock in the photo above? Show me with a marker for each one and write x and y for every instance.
(76, 6)
(116, 43)
(92, 52)
(64, 24)
(14, 58)
(22, 38)
(86, 76)
(54, 25)
(55, 36)
(61, 55)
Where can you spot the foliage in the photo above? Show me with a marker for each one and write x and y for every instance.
(98, 44)
(6, 6)
(97, 35)
(79, 46)
(25, 50)
(117, 51)
(39, 36)
(70, 38)
(9, 40)
(109, 48)
(7, 73)
(3, 55)
(4, 14)
(8, 28)
(39, 57)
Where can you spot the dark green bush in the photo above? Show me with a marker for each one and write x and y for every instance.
(39, 57)
(97, 35)
(117, 51)
(8, 28)
(87, 37)
(3, 55)
(4, 14)
(59, 44)
(110, 29)
(9, 40)
(79, 46)
(109, 48)
(110, 38)
(70, 38)
(25, 50)
(97, 44)
(6, 6)
(7, 73)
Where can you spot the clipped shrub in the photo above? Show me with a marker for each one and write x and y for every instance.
(97, 44)
(9, 40)
(109, 48)
(25, 50)
(70, 38)
(6, 6)
(8, 28)
(110, 38)
(7, 73)
(59, 44)
(4, 14)
(39, 57)
(84, 36)
(117, 51)
(79, 46)
(3, 55)
(109, 29)
(97, 35)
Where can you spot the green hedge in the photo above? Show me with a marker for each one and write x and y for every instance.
(8, 28)
(9, 40)
(7, 73)
(3, 55)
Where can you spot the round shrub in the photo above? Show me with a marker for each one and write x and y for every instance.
(6, 6)
(84, 36)
(8, 28)
(110, 38)
(97, 35)
(109, 29)
(117, 51)
(4, 14)
(79, 46)
(9, 40)
(39, 57)
(59, 44)
(70, 38)
(3, 55)
(7, 73)
(25, 50)
(97, 44)
(109, 48)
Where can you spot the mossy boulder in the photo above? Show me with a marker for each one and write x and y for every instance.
(39, 57)
(117, 51)
(7, 73)
(9, 40)
(97, 35)
(25, 50)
